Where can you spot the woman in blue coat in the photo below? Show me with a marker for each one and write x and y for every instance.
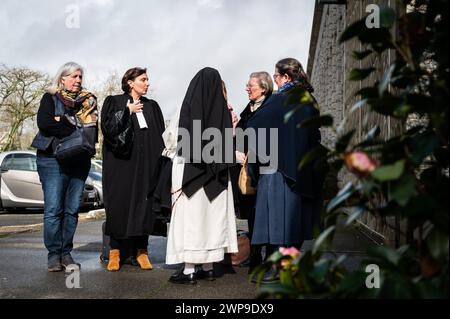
(288, 200)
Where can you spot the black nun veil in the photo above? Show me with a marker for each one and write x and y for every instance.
(205, 102)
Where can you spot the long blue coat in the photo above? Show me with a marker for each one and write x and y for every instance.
(288, 201)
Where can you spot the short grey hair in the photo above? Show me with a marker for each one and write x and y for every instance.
(65, 70)
(264, 81)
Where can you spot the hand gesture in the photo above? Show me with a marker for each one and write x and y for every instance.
(135, 107)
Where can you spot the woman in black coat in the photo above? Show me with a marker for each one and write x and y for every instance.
(132, 126)
(259, 88)
(64, 105)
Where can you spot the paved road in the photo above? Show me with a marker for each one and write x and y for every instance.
(23, 271)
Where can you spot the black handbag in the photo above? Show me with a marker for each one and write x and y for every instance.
(77, 143)
(41, 142)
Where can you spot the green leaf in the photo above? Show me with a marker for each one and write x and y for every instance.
(342, 196)
(368, 93)
(389, 172)
(360, 74)
(389, 105)
(387, 17)
(385, 254)
(423, 145)
(356, 213)
(319, 121)
(320, 270)
(438, 244)
(277, 289)
(372, 134)
(403, 190)
(420, 103)
(301, 96)
(353, 30)
(386, 79)
(353, 282)
(288, 115)
(317, 152)
(358, 105)
(286, 277)
(275, 257)
(379, 38)
(420, 207)
(322, 238)
(361, 55)
(343, 141)
(396, 286)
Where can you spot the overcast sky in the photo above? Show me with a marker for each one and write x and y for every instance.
(174, 39)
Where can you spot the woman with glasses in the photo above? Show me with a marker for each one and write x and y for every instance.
(132, 126)
(259, 88)
(288, 199)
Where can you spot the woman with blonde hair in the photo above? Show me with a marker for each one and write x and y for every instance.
(259, 88)
(66, 106)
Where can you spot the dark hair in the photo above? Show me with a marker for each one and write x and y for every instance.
(294, 69)
(131, 74)
(224, 91)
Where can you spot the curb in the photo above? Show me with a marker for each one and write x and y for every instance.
(16, 229)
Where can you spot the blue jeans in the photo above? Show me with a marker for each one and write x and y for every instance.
(63, 190)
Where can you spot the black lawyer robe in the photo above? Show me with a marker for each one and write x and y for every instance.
(128, 181)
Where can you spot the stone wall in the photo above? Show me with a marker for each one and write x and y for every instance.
(329, 65)
(327, 74)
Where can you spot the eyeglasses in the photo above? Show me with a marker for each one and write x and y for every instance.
(248, 86)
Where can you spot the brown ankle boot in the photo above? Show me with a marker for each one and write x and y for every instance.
(142, 259)
(114, 260)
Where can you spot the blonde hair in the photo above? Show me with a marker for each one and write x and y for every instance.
(264, 81)
(65, 70)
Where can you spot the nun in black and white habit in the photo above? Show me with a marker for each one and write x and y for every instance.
(203, 226)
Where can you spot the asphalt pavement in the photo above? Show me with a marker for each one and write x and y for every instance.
(23, 272)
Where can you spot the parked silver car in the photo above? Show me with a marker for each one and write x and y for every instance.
(95, 176)
(20, 185)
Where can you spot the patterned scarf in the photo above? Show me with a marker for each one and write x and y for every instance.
(88, 103)
(287, 86)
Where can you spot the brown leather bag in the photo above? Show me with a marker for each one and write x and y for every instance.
(243, 249)
(245, 181)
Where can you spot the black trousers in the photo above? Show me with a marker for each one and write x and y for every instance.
(129, 246)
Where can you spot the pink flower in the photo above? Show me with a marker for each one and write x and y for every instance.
(291, 251)
(359, 163)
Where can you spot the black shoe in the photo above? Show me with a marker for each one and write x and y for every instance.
(54, 264)
(181, 278)
(270, 276)
(69, 264)
(207, 275)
